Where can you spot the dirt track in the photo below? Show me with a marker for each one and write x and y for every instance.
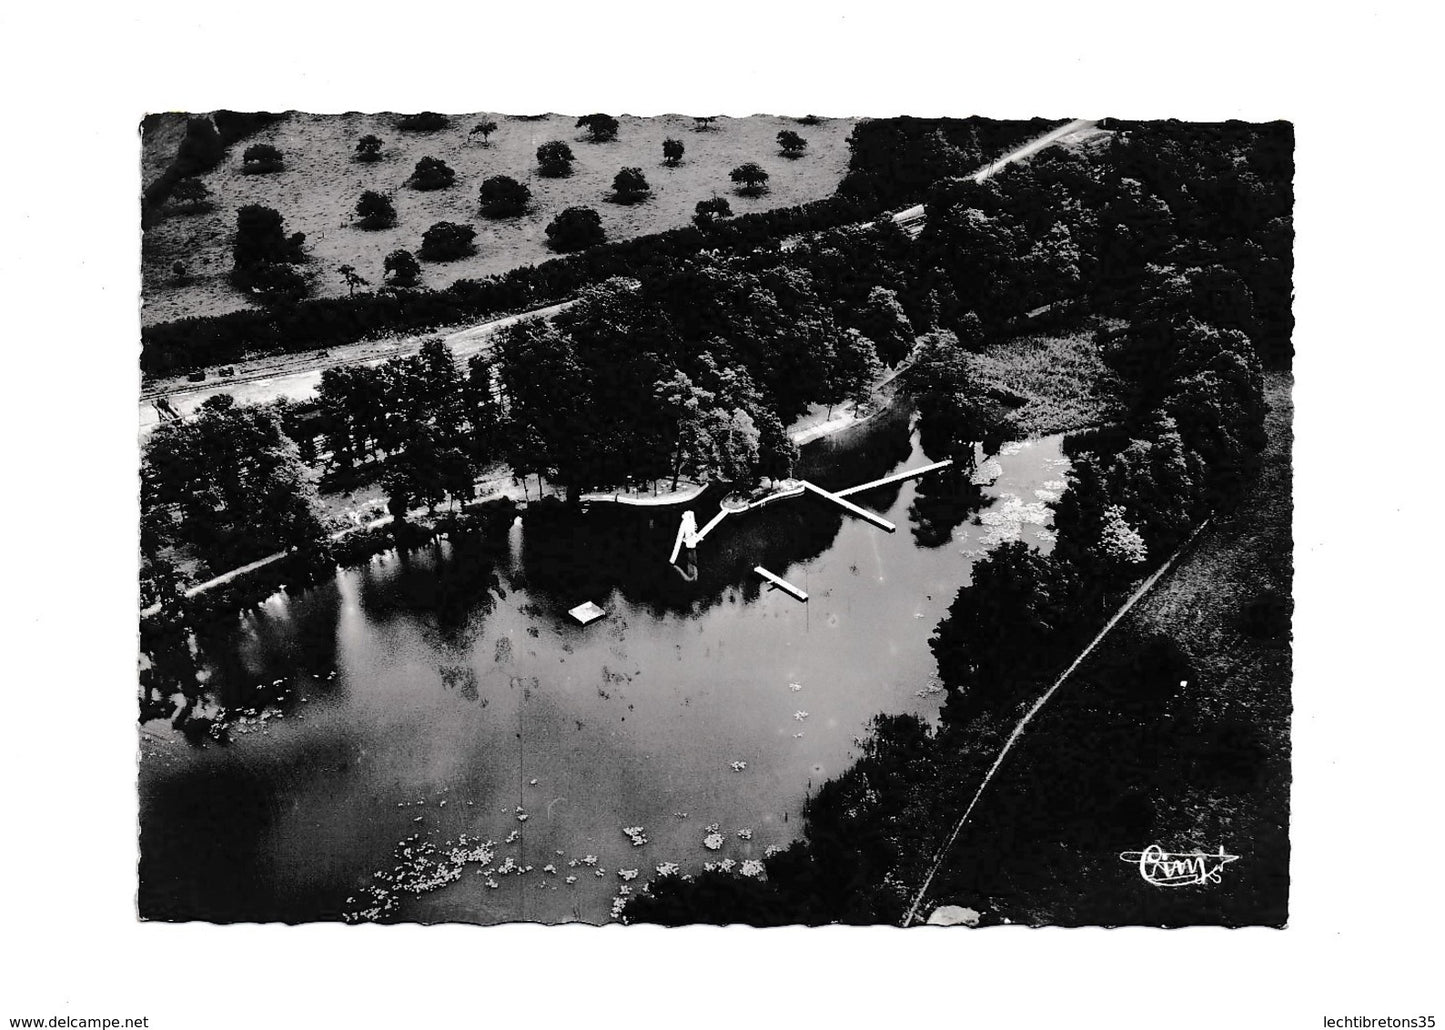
(297, 375)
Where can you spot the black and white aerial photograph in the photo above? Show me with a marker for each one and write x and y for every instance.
(771, 520)
(774, 515)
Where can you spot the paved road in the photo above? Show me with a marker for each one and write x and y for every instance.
(301, 384)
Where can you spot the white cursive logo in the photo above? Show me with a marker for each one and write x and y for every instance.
(1178, 868)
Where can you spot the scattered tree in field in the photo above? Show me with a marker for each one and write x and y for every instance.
(504, 197)
(261, 159)
(179, 271)
(709, 211)
(791, 143)
(375, 210)
(554, 159)
(426, 121)
(672, 150)
(402, 268)
(261, 238)
(352, 280)
(447, 241)
(431, 173)
(629, 186)
(484, 129)
(751, 177)
(703, 123)
(810, 119)
(601, 128)
(574, 229)
(192, 195)
(368, 148)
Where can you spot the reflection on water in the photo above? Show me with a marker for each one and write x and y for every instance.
(444, 744)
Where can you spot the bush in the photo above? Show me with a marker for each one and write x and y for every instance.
(601, 128)
(554, 159)
(574, 229)
(261, 159)
(402, 268)
(447, 241)
(191, 195)
(431, 173)
(504, 197)
(368, 148)
(672, 150)
(426, 121)
(261, 238)
(375, 210)
(751, 178)
(709, 211)
(791, 143)
(629, 186)
(274, 282)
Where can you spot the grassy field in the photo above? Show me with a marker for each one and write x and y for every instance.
(1059, 377)
(1175, 732)
(316, 193)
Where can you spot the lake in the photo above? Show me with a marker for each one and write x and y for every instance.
(435, 740)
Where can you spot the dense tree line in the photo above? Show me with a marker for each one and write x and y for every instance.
(1213, 199)
(894, 161)
(225, 487)
(427, 427)
(626, 384)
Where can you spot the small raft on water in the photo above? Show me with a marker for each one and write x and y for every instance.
(586, 613)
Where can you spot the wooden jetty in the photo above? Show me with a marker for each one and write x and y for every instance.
(897, 477)
(862, 513)
(780, 583)
(711, 525)
(689, 536)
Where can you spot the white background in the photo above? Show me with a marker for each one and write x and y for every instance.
(1365, 905)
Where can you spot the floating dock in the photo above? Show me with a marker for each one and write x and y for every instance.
(587, 613)
(780, 583)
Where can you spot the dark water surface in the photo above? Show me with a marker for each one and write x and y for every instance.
(446, 689)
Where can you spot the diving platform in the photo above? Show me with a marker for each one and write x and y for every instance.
(780, 583)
